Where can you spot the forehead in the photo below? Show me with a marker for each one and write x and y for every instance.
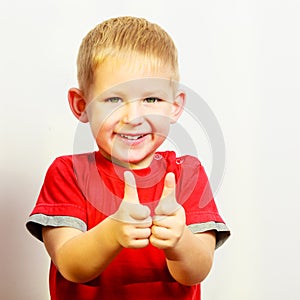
(133, 74)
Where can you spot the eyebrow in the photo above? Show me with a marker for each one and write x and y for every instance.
(155, 93)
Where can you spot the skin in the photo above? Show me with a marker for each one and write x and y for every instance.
(120, 108)
(120, 102)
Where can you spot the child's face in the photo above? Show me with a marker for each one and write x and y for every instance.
(131, 111)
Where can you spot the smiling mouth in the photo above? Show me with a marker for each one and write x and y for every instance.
(131, 137)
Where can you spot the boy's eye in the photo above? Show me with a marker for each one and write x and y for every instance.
(152, 100)
(113, 100)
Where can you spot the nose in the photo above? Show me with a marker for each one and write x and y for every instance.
(133, 113)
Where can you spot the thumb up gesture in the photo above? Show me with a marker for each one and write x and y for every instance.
(132, 219)
(169, 220)
(133, 225)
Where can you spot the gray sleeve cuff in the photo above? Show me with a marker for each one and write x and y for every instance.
(222, 230)
(37, 221)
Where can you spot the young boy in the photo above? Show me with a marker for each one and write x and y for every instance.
(127, 222)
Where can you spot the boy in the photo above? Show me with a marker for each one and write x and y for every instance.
(127, 222)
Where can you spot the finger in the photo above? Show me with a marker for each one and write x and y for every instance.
(140, 213)
(159, 243)
(161, 233)
(169, 185)
(142, 233)
(131, 203)
(130, 190)
(168, 204)
(138, 243)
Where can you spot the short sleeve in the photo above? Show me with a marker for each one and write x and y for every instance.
(60, 202)
(195, 195)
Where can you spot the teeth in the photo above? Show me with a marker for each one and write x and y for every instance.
(131, 137)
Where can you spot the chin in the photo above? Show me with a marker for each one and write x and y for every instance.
(135, 161)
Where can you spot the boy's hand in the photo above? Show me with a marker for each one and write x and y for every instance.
(133, 221)
(169, 221)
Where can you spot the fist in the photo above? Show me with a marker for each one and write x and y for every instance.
(169, 220)
(132, 221)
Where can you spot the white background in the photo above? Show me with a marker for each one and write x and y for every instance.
(241, 56)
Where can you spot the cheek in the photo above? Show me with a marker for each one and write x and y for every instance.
(99, 119)
(160, 125)
(98, 126)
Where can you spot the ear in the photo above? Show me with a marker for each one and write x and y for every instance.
(78, 104)
(177, 106)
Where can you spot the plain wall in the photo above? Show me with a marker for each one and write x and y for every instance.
(241, 56)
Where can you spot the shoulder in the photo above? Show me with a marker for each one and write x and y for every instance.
(68, 166)
(67, 161)
(71, 158)
(180, 162)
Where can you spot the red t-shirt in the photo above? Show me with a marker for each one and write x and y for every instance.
(82, 190)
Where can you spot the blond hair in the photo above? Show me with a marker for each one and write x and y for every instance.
(122, 37)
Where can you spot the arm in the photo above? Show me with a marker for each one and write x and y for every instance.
(81, 257)
(191, 260)
(189, 256)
